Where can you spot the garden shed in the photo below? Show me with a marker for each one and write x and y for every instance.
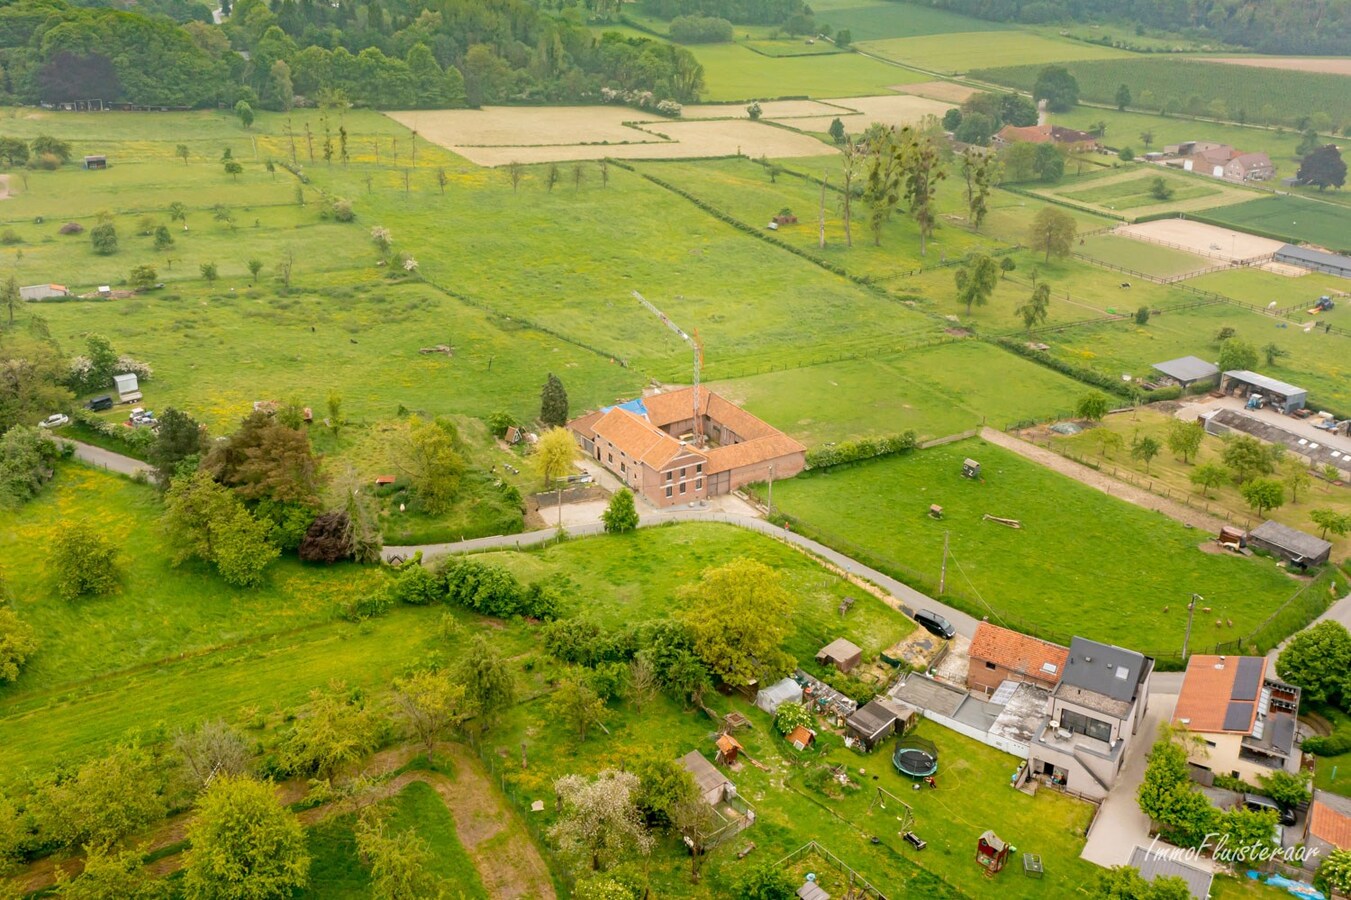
(1187, 371)
(876, 721)
(1290, 544)
(1284, 397)
(711, 784)
(777, 694)
(840, 653)
(800, 737)
(96, 162)
(43, 291)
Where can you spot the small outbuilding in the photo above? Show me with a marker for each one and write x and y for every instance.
(876, 721)
(96, 162)
(728, 748)
(1158, 865)
(1281, 396)
(843, 655)
(1290, 544)
(771, 698)
(800, 737)
(1315, 260)
(127, 388)
(1186, 371)
(43, 291)
(991, 852)
(970, 468)
(711, 784)
(810, 890)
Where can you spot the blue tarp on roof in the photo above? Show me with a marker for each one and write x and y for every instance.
(634, 406)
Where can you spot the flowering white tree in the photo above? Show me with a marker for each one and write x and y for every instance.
(382, 237)
(599, 820)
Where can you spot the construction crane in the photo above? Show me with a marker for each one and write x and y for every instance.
(698, 347)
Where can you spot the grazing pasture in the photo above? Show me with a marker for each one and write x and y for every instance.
(1269, 96)
(1134, 188)
(934, 391)
(1083, 563)
(735, 72)
(1152, 259)
(963, 53)
(1295, 219)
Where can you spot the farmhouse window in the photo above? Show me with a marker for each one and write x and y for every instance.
(699, 469)
(610, 457)
(669, 474)
(682, 472)
(698, 484)
(623, 467)
(682, 487)
(668, 492)
(1082, 724)
(990, 665)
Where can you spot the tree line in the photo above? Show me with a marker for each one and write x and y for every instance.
(1268, 26)
(388, 55)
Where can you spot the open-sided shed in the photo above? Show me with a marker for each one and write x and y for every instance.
(1285, 397)
(1188, 370)
(840, 653)
(1290, 544)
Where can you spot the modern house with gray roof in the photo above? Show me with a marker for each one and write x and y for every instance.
(1187, 371)
(1095, 713)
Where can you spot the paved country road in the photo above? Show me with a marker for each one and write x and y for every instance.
(107, 459)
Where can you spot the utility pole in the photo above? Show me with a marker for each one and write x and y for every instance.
(1191, 611)
(943, 574)
(771, 489)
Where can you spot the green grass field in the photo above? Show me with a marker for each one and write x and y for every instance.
(1269, 96)
(961, 53)
(734, 72)
(934, 391)
(1295, 219)
(1259, 288)
(1151, 259)
(789, 47)
(1139, 192)
(1319, 362)
(1083, 563)
(879, 21)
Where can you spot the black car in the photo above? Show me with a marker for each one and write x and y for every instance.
(100, 403)
(1258, 803)
(935, 624)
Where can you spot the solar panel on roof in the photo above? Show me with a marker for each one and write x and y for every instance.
(1248, 678)
(1239, 716)
(1005, 693)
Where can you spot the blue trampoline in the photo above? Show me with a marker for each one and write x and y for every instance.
(915, 757)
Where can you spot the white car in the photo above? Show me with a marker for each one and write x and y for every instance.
(55, 420)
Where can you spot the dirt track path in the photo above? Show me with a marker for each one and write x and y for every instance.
(510, 867)
(1105, 483)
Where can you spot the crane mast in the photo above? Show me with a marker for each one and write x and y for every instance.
(697, 346)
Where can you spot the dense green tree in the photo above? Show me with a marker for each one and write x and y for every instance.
(577, 705)
(27, 462)
(766, 881)
(46, 145)
(1247, 457)
(1123, 98)
(1287, 789)
(1207, 476)
(1092, 406)
(400, 862)
(1324, 167)
(1053, 232)
(620, 515)
(178, 445)
(111, 875)
(85, 562)
(738, 615)
(1317, 661)
(1237, 354)
(205, 520)
(1263, 494)
(1334, 872)
(334, 730)
(1330, 520)
(103, 238)
(1296, 478)
(17, 644)
(1058, 88)
(244, 845)
(489, 683)
(103, 800)
(1034, 310)
(553, 455)
(142, 278)
(662, 783)
(1145, 449)
(431, 705)
(837, 132)
(553, 405)
(266, 459)
(1126, 883)
(976, 280)
(1184, 438)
